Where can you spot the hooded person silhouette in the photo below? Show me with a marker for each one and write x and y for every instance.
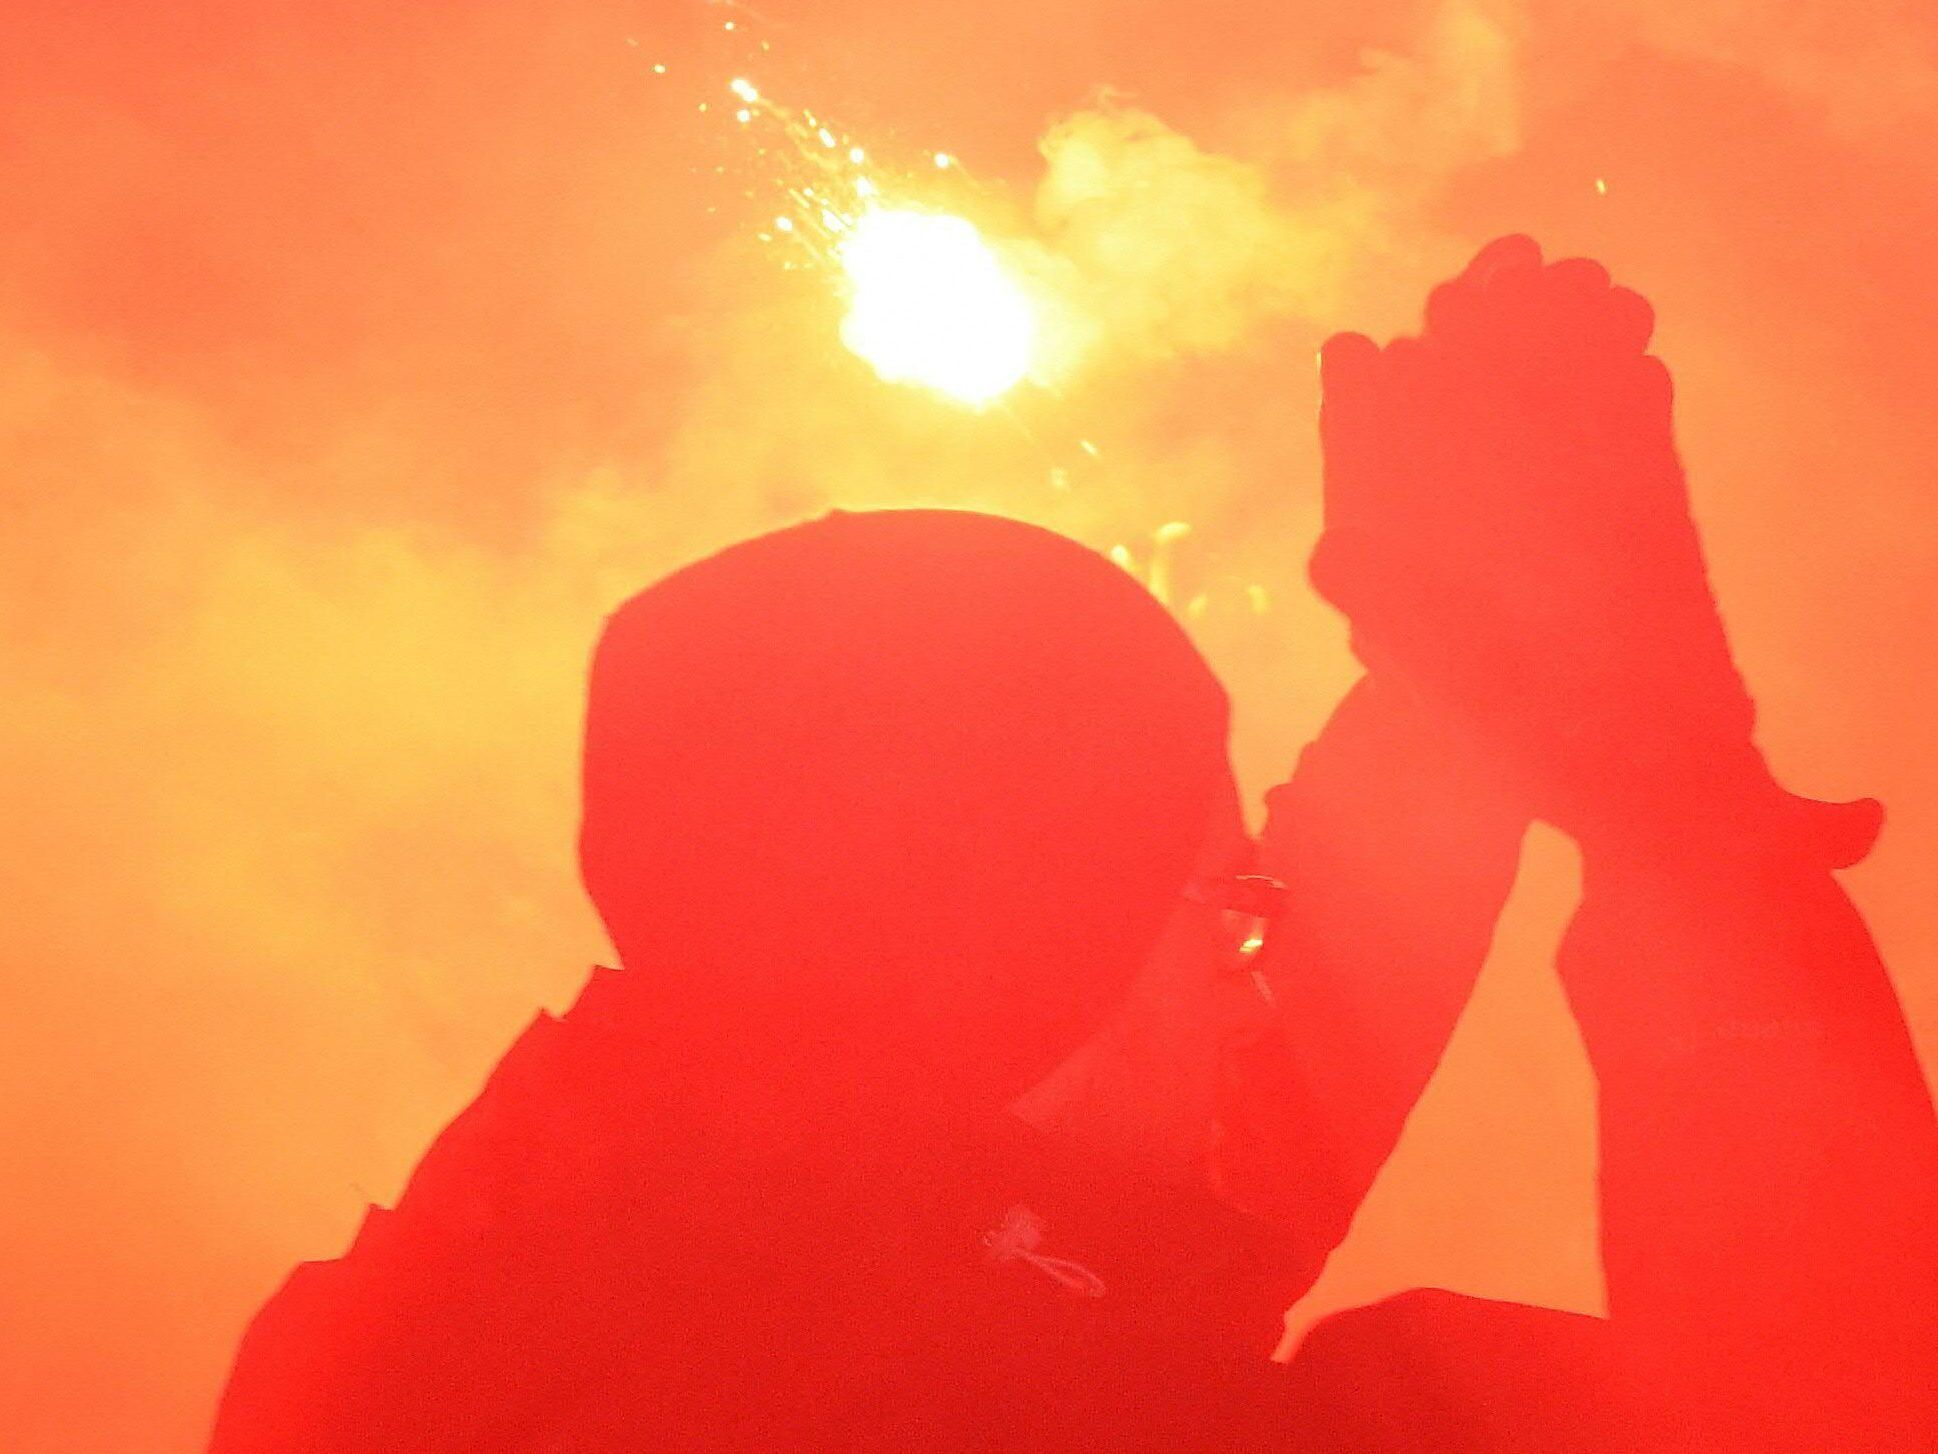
(883, 813)
(887, 813)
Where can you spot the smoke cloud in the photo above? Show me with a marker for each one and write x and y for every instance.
(354, 362)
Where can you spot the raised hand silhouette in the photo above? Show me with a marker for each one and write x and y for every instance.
(1509, 530)
(886, 812)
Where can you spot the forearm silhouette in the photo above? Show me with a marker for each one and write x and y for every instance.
(1509, 533)
(1398, 850)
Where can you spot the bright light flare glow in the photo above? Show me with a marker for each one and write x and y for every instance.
(931, 305)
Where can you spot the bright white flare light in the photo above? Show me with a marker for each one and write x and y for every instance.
(931, 305)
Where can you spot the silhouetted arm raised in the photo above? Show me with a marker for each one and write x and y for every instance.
(1398, 849)
(1769, 1152)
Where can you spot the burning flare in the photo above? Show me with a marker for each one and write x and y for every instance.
(930, 304)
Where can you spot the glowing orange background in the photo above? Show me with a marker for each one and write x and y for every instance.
(355, 357)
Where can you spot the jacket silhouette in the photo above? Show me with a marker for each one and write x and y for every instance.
(883, 813)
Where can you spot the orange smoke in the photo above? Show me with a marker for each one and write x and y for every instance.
(356, 358)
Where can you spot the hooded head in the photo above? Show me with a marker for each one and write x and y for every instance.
(896, 799)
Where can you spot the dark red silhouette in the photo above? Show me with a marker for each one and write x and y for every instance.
(883, 814)
(1508, 529)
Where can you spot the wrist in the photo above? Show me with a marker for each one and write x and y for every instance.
(1389, 754)
(1719, 801)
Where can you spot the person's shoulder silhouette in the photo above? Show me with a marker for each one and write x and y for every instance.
(882, 813)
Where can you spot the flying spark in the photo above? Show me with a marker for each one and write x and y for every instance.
(929, 301)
